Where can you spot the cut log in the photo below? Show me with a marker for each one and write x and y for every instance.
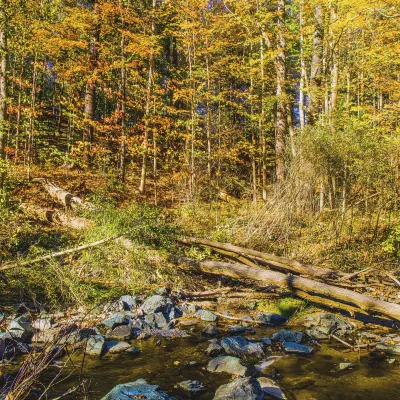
(54, 216)
(62, 196)
(272, 260)
(298, 285)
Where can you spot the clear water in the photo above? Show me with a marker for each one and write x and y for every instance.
(302, 378)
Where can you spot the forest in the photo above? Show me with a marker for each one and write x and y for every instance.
(178, 171)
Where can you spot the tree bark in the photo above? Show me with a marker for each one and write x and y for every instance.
(3, 99)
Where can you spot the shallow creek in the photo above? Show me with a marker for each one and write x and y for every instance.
(301, 378)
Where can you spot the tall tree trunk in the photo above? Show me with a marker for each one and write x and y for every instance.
(3, 99)
(303, 73)
(281, 108)
(316, 65)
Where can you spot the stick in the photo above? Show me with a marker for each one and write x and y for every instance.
(393, 278)
(352, 275)
(252, 321)
(342, 341)
(58, 254)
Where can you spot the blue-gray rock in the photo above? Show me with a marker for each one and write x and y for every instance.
(214, 348)
(139, 389)
(240, 389)
(7, 348)
(132, 350)
(296, 348)
(238, 346)
(175, 313)
(288, 336)
(318, 333)
(20, 329)
(237, 329)
(230, 365)
(192, 386)
(271, 389)
(392, 349)
(205, 315)
(43, 324)
(121, 332)
(210, 330)
(116, 320)
(156, 320)
(114, 307)
(114, 346)
(333, 323)
(95, 345)
(270, 318)
(157, 303)
(129, 302)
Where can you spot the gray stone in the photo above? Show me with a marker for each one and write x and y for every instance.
(114, 307)
(156, 320)
(240, 389)
(95, 345)
(2, 316)
(116, 320)
(43, 324)
(139, 389)
(175, 313)
(20, 329)
(129, 302)
(114, 347)
(392, 349)
(288, 336)
(214, 348)
(167, 333)
(230, 365)
(295, 348)
(157, 303)
(318, 333)
(132, 350)
(121, 332)
(344, 366)
(333, 323)
(163, 291)
(205, 315)
(210, 330)
(271, 318)
(192, 386)
(271, 389)
(240, 347)
(237, 329)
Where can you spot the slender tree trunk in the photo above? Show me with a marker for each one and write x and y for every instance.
(32, 111)
(281, 109)
(316, 65)
(303, 72)
(3, 98)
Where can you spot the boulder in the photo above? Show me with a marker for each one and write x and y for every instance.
(20, 329)
(296, 348)
(192, 386)
(205, 315)
(132, 350)
(129, 302)
(156, 320)
(271, 389)
(240, 389)
(113, 347)
(288, 336)
(214, 348)
(157, 303)
(115, 320)
(238, 346)
(139, 389)
(175, 313)
(332, 324)
(230, 365)
(392, 349)
(210, 330)
(270, 318)
(121, 332)
(95, 345)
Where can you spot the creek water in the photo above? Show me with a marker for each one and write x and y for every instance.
(173, 361)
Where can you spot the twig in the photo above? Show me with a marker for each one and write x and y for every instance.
(249, 321)
(393, 278)
(342, 341)
(349, 276)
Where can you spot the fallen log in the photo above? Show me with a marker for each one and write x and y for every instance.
(272, 260)
(298, 285)
(54, 216)
(62, 196)
(58, 254)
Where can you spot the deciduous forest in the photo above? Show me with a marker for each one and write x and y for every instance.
(195, 170)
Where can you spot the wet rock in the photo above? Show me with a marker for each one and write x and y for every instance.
(318, 333)
(129, 302)
(116, 320)
(2, 316)
(7, 345)
(230, 365)
(214, 348)
(114, 307)
(271, 389)
(205, 315)
(43, 324)
(266, 363)
(192, 386)
(210, 330)
(344, 366)
(95, 345)
(144, 335)
(240, 389)
(114, 347)
(139, 389)
(288, 336)
(122, 332)
(156, 320)
(132, 350)
(332, 324)
(20, 329)
(156, 304)
(295, 348)
(271, 318)
(238, 346)
(392, 349)
(175, 313)
(235, 330)
(167, 333)
(189, 322)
